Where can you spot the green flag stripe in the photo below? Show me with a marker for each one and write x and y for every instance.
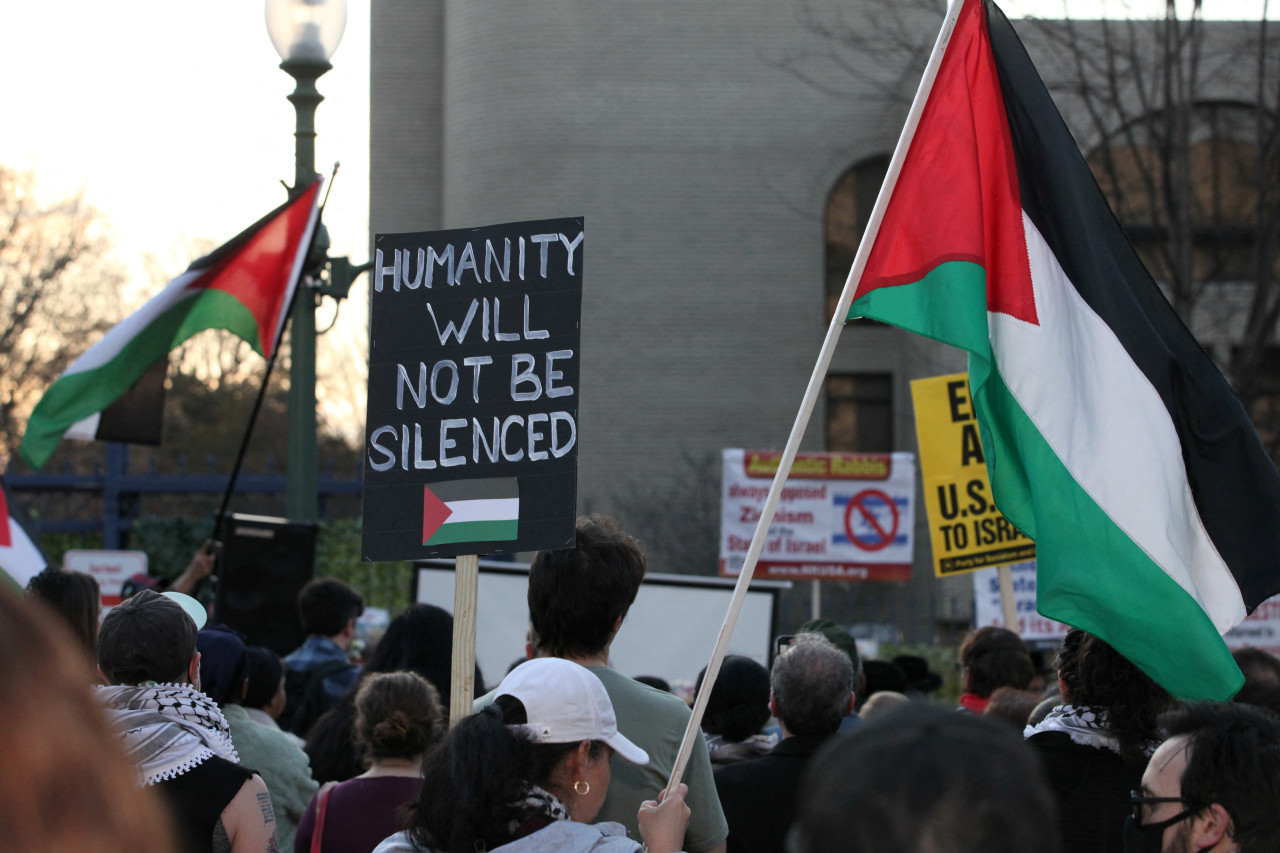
(1123, 597)
(959, 285)
(475, 531)
(74, 397)
(1129, 600)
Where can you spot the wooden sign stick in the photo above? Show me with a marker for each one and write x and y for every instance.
(816, 380)
(462, 683)
(1008, 603)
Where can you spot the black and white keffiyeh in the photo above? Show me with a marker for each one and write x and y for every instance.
(1084, 724)
(538, 803)
(167, 729)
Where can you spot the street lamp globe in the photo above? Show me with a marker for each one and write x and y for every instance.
(306, 30)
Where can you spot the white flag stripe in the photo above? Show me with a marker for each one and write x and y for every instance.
(127, 329)
(21, 560)
(1101, 415)
(502, 509)
(85, 430)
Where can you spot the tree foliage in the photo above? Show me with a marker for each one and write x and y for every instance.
(59, 283)
(60, 291)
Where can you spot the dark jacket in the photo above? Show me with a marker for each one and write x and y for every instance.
(1091, 786)
(759, 794)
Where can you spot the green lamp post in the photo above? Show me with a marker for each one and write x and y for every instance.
(306, 33)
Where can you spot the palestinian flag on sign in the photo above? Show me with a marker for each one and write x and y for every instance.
(20, 557)
(244, 287)
(1110, 437)
(471, 511)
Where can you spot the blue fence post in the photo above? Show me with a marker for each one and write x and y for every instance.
(117, 467)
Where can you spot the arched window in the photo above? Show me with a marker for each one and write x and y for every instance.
(859, 405)
(848, 209)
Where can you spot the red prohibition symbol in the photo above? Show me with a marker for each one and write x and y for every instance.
(880, 537)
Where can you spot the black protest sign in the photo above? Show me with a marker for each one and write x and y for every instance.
(471, 434)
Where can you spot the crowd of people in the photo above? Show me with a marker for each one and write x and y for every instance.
(157, 731)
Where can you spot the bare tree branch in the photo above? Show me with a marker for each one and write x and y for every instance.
(59, 285)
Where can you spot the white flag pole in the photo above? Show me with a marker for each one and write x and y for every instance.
(811, 392)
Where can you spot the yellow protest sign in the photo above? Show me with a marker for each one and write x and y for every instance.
(965, 528)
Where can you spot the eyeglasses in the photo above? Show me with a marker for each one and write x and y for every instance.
(1137, 800)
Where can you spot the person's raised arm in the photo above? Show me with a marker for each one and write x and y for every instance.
(200, 567)
(249, 819)
(662, 825)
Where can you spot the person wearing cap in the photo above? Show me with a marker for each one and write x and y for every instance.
(529, 772)
(578, 598)
(921, 681)
(174, 733)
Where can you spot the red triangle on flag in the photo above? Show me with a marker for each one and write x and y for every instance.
(435, 513)
(957, 197)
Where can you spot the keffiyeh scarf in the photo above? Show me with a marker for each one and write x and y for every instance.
(1084, 724)
(167, 729)
(537, 803)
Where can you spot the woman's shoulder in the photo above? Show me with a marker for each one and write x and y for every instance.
(398, 843)
(562, 836)
(372, 792)
(568, 836)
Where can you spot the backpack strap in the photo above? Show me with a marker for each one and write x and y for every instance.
(322, 805)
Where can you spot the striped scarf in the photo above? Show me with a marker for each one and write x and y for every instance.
(167, 729)
(1084, 724)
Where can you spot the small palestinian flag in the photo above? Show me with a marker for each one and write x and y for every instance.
(115, 390)
(471, 511)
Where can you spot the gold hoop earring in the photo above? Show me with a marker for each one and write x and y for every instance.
(582, 788)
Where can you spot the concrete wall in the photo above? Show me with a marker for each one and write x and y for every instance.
(700, 142)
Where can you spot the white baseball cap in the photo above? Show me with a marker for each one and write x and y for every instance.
(193, 608)
(565, 703)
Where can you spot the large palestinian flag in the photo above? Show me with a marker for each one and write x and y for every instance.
(113, 391)
(1111, 438)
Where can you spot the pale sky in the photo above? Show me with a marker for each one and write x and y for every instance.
(171, 116)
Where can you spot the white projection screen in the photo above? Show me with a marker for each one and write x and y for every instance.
(669, 632)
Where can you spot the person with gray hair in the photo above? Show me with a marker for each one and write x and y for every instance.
(812, 692)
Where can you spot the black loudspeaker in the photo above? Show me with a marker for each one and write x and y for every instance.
(264, 563)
